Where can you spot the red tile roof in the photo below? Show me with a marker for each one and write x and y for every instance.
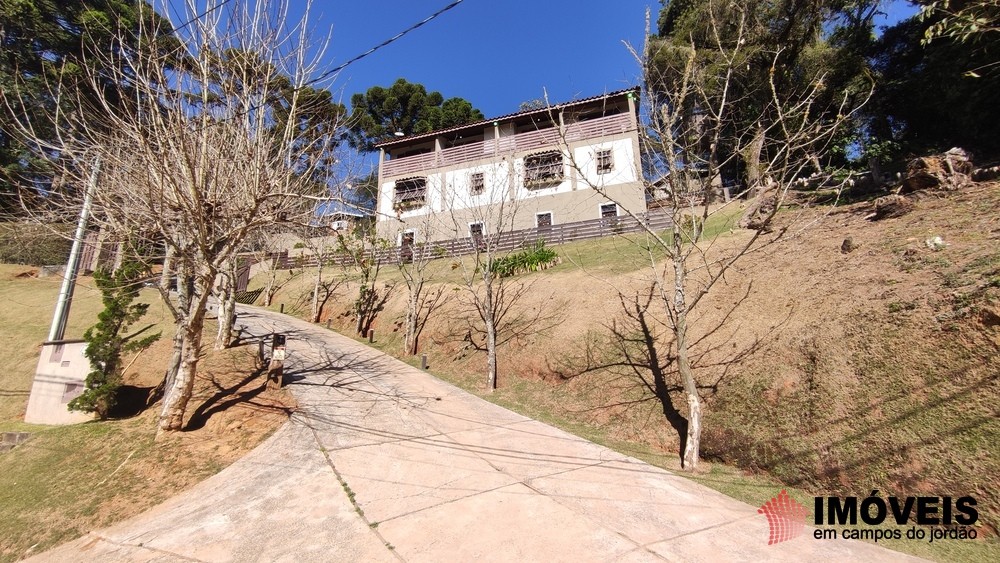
(411, 138)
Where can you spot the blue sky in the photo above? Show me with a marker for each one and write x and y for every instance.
(494, 53)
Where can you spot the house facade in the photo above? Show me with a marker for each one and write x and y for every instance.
(566, 163)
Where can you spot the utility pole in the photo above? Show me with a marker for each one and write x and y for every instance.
(58, 329)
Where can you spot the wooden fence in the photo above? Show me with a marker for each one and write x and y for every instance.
(505, 242)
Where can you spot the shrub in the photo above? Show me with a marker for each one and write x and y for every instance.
(108, 339)
(533, 257)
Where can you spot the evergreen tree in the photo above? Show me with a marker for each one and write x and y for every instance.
(405, 108)
(783, 47)
(934, 95)
(45, 43)
(108, 340)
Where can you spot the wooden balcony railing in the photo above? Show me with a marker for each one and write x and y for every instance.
(522, 142)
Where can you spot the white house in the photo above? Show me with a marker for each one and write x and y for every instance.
(566, 163)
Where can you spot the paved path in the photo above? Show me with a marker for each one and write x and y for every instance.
(437, 474)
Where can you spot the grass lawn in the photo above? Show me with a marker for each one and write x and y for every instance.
(68, 480)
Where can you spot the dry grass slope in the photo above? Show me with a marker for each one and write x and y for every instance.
(837, 373)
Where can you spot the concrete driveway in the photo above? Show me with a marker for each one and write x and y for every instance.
(386, 463)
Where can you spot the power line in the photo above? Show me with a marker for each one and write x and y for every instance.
(334, 70)
(201, 15)
(384, 43)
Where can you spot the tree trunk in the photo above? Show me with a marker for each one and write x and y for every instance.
(412, 316)
(183, 287)
(491, 357)
(175, 363)
(179, 392)
(227, 308)
(489, 318)
(269, 290)
(751, 159)
(876, 169)
(316, 311)
(692, 444)
(178, 395)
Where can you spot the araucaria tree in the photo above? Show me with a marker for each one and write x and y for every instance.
(43, 41)
(405, 108)
(218, 135)
(727, 102)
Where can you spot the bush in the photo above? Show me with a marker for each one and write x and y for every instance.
(32, 244)
(534, 257)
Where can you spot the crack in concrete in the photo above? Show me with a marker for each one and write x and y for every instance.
(373, 526)
(141, 545)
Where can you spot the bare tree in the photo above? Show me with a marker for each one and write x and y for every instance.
(366, 252)
(412, 260)
(690, 100)
(261, 248)
(219, 138)
(328, 274)
(487, 218)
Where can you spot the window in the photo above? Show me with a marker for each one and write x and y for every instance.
(410, 193)
(605, 163)
(543, 220)
(477, 183)
(476, 234)
(406, 241)
(609, 210)
(543, 169)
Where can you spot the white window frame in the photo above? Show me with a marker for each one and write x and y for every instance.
(552, 218)
(600, 209)
(402, 235)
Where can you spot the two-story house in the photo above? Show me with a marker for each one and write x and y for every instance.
(565, 163)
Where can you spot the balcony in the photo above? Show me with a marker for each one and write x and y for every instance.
(522, 142)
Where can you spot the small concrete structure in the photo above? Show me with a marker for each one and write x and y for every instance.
(60, 377)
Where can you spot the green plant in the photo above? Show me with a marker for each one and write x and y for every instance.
(899, 306)
(107, 340)
(534, 257)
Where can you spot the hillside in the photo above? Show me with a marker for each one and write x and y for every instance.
(68, 480)
(832, 371)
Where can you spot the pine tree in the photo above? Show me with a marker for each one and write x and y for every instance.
(108, 340)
